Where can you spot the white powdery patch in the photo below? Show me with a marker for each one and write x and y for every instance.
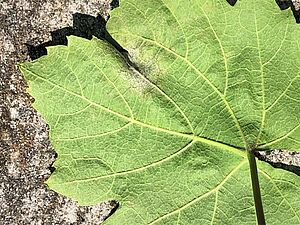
(9, 47)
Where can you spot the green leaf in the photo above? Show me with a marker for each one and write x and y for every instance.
(168, 140)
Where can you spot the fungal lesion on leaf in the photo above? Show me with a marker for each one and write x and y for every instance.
(141, 73)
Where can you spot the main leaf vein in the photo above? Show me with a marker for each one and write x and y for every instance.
(203, 77)
(137, 122)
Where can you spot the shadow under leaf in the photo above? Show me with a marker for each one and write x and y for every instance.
(85, 26)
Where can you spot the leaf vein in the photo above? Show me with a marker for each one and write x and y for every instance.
(203, 195)
(280, 138)
(187, 146)
(142, 124)
(112, 83)
(222, 50)
(228, 107)
(215, 209)
(96, 135)
(280, 192)
(262, 82)
(283, 93)
(180, 27)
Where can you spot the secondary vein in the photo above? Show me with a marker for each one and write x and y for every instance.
(216, 90)
(142, 124)
(203, 195)
(262, 83)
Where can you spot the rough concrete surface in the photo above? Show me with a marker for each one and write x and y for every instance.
(25, 152)
(26, 155)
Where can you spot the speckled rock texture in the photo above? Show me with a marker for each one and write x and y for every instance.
(25, 152)
(296, 4)
(26, 155)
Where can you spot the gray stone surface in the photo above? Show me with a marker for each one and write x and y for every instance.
(282, 159)
(26, 154)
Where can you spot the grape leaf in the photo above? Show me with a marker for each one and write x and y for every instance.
(167, 135)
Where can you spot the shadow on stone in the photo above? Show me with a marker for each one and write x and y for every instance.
(280, 159)
(284, 4)
(231, 2)
(85, 26)
(296, 14)
(114, 4)
(51, 167)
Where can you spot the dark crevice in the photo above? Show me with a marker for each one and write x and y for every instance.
(115, 205)
(114, 4)
(231, 2)
(85, 26)
(283, 5)
(51, 167)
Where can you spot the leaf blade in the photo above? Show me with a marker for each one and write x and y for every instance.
(162, 138)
